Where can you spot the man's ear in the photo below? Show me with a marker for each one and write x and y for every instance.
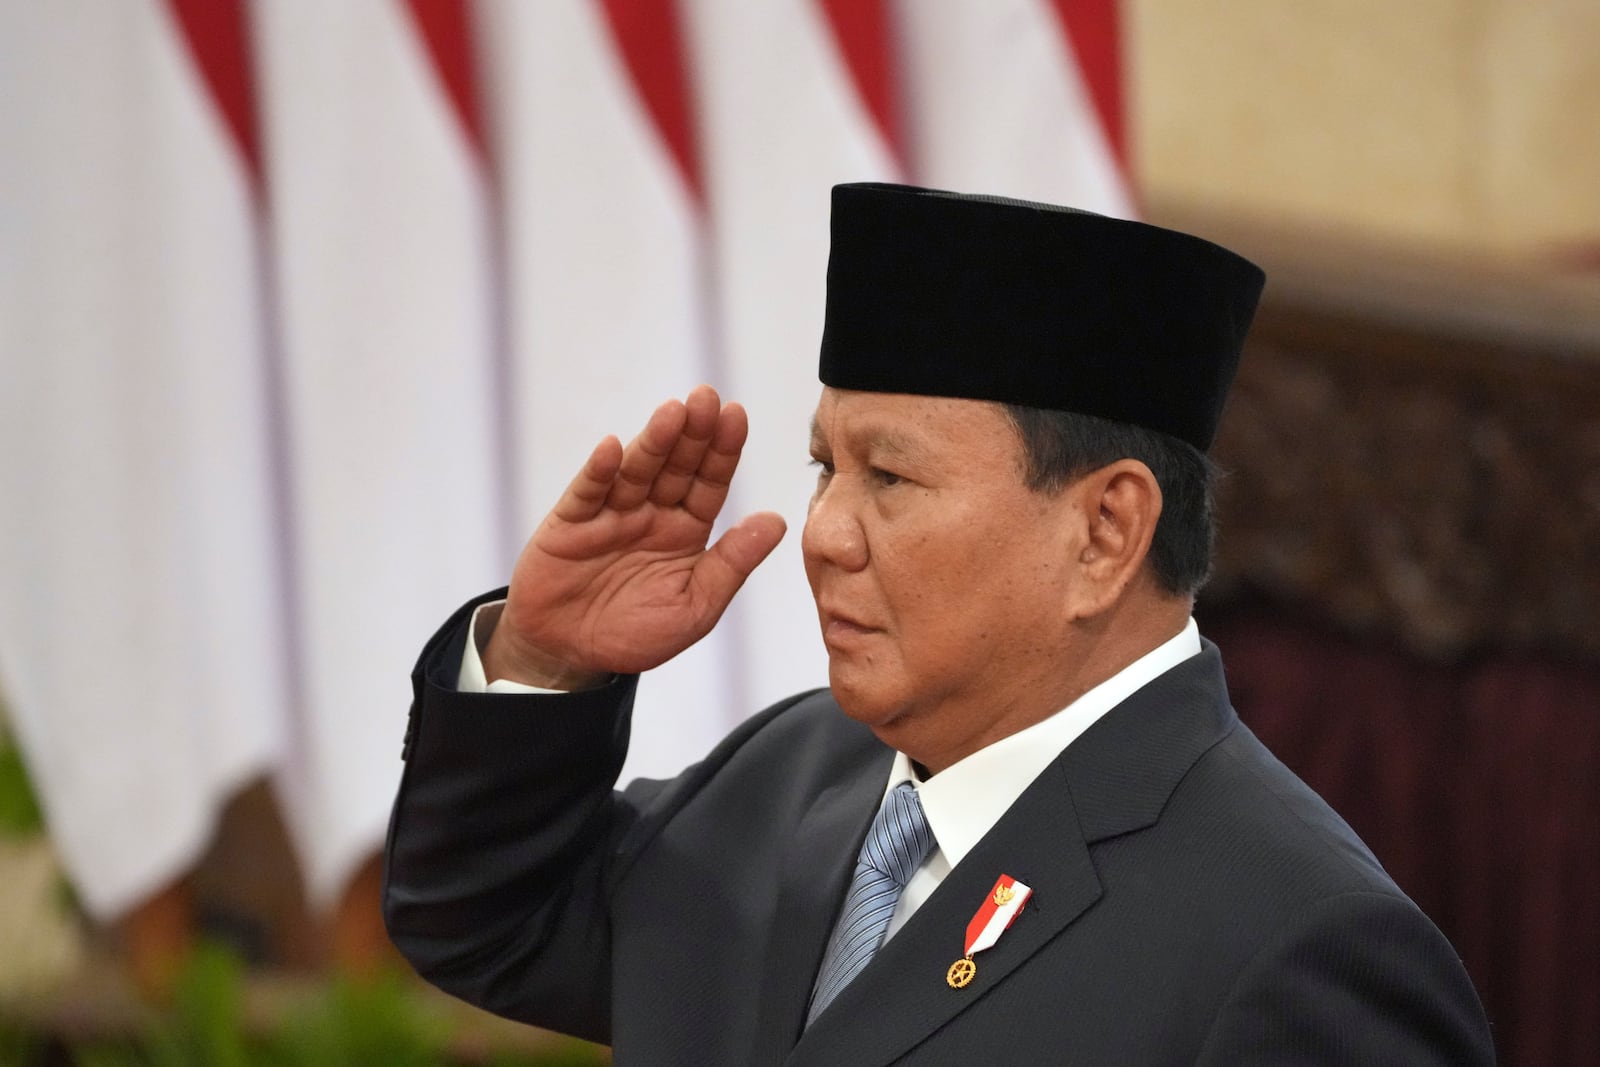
(1120, 505)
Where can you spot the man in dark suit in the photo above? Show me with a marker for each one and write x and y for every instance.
(1023, 821)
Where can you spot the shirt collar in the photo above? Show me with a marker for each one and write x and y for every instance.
(966, 799)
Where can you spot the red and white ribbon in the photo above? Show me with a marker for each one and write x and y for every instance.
(998, 911)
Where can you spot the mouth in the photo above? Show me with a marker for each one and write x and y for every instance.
(842, 630)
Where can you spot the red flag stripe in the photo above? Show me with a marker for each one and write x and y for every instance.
(861, 30)
(650, 41)
(445, 27)
(1094, 36)
(217, 36)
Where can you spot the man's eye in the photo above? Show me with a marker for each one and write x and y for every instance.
(885, 478)
(824, 467)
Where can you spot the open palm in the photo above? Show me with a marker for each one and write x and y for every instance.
(618, 577)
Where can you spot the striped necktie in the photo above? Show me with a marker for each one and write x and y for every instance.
(896, 845)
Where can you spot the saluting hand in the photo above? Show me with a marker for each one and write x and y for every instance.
(618, 577)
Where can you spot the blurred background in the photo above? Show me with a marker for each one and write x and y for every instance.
(307, 311)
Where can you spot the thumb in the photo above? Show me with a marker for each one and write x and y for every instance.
(723, 569)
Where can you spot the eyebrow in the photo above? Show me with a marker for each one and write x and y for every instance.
(895, 444)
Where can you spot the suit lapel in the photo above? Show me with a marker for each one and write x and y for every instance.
(902, 996)
(1113, 780)
(815, 875)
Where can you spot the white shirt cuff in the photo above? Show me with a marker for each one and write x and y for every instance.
(471, 678)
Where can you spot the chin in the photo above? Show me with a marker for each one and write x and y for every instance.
(867, 704)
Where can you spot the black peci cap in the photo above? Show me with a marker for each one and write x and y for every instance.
(946, 294)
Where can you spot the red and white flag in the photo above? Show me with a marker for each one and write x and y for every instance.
(998, 99)
(141, 634)
(605, 292)
(494, 232)
(380, 240)
(782, 121)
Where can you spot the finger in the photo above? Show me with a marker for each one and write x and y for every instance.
(699, 427)
(709, 490)
(643, 458)
(586, 494)
(723, 569)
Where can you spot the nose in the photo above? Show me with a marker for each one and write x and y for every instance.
(833, 534)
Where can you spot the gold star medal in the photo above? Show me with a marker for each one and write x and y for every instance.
(998, 910)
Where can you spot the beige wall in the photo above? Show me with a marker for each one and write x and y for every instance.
(1456, 122)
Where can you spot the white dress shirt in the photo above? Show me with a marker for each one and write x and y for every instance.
(964, 801)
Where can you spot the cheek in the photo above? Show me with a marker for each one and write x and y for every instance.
(942, 607)
(994, 592)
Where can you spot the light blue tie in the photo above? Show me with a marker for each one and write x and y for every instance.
(896, 845)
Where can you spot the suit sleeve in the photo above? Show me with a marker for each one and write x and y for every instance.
(1360, 978)
(501, 838)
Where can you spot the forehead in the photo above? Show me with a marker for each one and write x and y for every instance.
(928, 427)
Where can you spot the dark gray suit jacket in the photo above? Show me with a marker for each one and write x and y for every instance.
(1194, 902)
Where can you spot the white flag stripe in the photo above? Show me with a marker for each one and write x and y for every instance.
(604, 287)
(139, 633)
(380, 231)
(995, 102)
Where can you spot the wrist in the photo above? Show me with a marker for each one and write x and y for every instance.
(506, 659)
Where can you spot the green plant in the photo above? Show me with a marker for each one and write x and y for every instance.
(359, 1022)
(19, 1047)
(373, 1022)
(19, 807)
(203, 1027)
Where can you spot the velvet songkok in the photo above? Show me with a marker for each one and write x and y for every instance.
(945, 294)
